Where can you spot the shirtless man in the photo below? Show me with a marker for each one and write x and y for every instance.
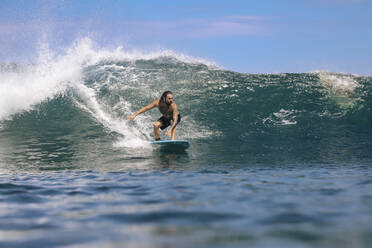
(169, 110)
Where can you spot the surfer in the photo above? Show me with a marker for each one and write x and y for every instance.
(168, 108)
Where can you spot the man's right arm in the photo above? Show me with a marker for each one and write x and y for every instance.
(144, 109)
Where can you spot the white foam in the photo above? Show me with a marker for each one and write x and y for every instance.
(281, 118)
(92, 54)
(133, 138)
(32, 84)
(339, 83)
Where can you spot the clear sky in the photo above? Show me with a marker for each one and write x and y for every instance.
(253, 36)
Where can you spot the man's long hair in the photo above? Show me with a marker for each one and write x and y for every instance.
(164, 95)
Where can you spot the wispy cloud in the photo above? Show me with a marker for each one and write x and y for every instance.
(202, 28)
(337, 2)
(18, 36)
(346, 1)
(187, 28)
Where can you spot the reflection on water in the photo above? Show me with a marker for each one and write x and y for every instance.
(35, 152)
(170, 158)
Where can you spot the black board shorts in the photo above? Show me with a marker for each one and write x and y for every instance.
(165, 122)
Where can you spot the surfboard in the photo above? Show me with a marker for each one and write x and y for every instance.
(172, 144)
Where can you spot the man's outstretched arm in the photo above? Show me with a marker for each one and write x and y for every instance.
(144, 109)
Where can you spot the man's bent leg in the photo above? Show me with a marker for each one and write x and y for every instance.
(157, 126)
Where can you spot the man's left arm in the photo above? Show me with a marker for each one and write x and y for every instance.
(175, 116)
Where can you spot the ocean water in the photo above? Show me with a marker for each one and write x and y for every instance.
(275, 160)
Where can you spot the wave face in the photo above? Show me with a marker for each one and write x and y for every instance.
(80, 101)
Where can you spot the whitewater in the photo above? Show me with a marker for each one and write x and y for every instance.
(275, 160)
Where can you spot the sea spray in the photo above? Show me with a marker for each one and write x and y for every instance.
(86, 71)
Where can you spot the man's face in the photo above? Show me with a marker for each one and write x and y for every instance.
(169, 99)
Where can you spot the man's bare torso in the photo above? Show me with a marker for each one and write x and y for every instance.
(166, 110)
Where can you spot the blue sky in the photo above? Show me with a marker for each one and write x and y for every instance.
(267, 36)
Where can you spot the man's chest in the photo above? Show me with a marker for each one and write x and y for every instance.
(164, 109)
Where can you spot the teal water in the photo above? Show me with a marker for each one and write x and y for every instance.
(276, 160)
